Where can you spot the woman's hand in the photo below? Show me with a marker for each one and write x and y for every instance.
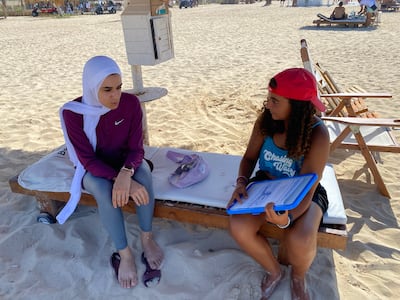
(138, 193)
(274, 218)
(239, 194)
(121, 188)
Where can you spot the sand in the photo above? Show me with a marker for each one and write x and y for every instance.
(224, 56)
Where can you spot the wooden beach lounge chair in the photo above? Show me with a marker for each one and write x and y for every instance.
(204, 203)
(390, 5)
(365, 132)
(354, 22)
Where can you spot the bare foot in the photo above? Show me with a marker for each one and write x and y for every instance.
(269, 283)
(152, 251)
(298, 288)
(127, 275)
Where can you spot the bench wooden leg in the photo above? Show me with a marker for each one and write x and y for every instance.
(48, 210)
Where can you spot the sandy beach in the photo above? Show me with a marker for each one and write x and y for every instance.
(224, 57)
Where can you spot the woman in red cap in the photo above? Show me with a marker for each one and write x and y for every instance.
(288, 139)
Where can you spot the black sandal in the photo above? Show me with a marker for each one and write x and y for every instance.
(115, 261)
(151, 276)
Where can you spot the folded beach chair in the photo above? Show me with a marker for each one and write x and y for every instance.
(351, 125)
(203, 203)
(339, 102)
(348, 103)
(354, 22)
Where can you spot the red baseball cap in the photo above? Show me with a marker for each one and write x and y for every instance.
(297, 84)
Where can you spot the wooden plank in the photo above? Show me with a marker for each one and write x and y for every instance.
(374, 148)
(335, 238)
(358, 95)
(365, 121)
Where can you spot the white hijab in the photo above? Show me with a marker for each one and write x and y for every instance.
(95, 71)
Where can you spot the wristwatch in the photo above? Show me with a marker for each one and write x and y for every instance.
(129, 169)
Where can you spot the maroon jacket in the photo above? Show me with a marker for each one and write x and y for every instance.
(119, 138)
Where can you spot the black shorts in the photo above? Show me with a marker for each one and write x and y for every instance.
(320, 197)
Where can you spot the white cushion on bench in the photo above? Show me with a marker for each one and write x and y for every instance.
(54, 173)
(336, 213)
(217, 188)
(213, 191)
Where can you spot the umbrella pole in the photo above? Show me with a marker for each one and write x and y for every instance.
(137, 79)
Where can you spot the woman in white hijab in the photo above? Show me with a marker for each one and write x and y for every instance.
(103, 133)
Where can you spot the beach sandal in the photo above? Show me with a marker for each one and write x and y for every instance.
(151, 277)
(115, 261)
(192, 169)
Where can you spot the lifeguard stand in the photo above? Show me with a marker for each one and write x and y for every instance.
(148, 41)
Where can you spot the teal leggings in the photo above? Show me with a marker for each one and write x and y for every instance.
(112, 218)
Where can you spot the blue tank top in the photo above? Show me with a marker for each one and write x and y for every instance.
(275, 161)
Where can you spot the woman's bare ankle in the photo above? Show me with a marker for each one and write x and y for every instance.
(298, 288)
(125, 253)
(152, 250)
(270, 282)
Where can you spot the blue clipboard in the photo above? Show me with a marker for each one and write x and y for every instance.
(286, 193)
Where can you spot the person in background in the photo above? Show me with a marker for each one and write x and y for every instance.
(288, 139)
(368, 8)
(103, 133)
(339, 12)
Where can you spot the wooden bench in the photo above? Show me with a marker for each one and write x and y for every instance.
(329, 236)
(344, 22)
(390, 7)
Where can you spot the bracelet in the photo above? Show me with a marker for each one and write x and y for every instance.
(288, 223)
(242, 177)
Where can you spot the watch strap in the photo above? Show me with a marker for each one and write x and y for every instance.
(129, 169)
